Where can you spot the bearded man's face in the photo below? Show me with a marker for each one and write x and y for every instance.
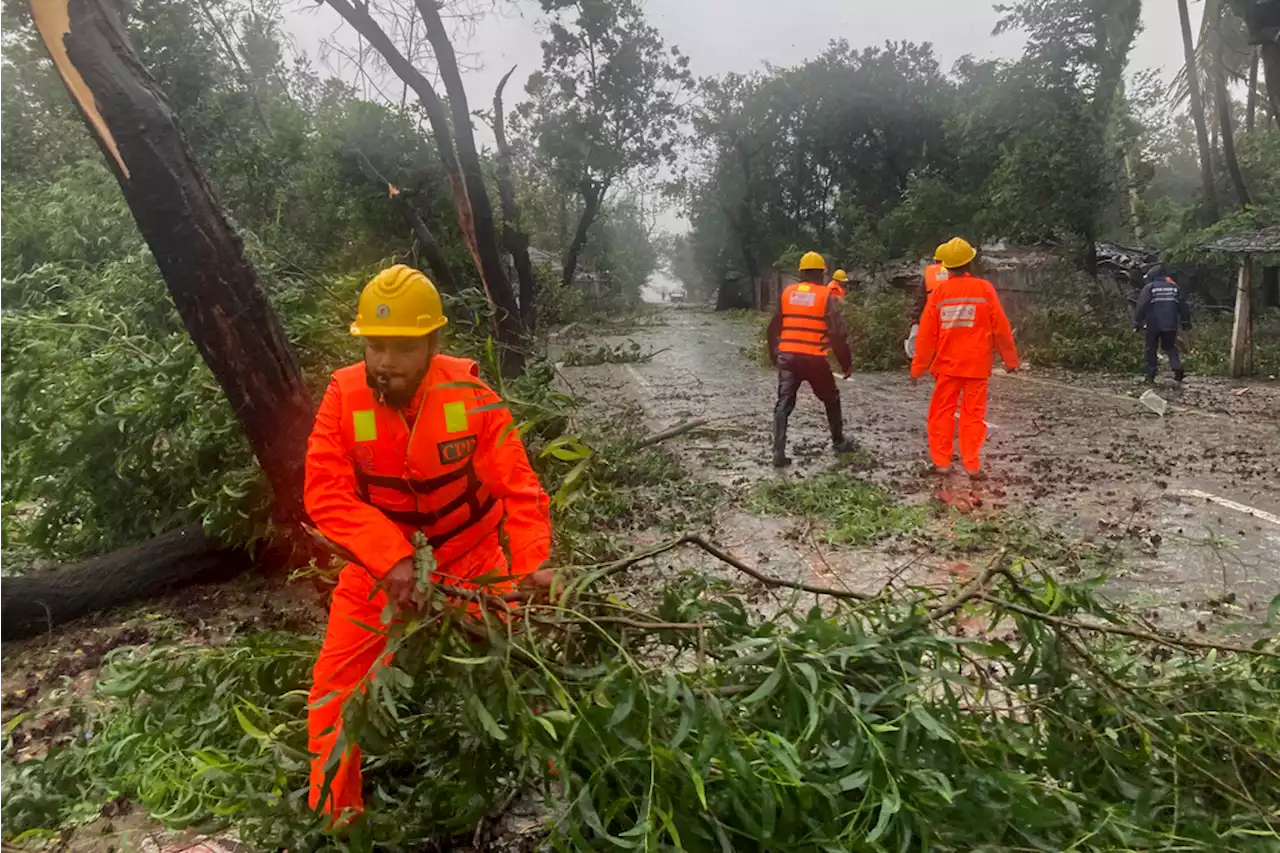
(395, 367)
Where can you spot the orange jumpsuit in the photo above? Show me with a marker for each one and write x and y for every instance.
(375, 475)
(961, 322)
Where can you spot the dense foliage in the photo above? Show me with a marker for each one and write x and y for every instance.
(830, 725)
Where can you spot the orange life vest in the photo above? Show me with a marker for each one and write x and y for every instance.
(836, 288)
(425, 478)
(804, 320)
(934, 274)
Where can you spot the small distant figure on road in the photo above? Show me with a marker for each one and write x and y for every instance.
(1162, 308)
(839, 279)
(802, 334)
(961, 321)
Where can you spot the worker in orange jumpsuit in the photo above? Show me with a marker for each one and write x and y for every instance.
(802, 334)
(933, 273)
(407, 440)
(839, 279)
(961, 322)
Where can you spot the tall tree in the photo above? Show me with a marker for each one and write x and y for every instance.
(1262, 24)
(607, 103)
(1222, 101)
(1197, 113)
(455, 142)
(201, 257)
(1089, 40)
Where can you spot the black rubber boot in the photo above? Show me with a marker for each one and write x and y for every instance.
(844, 445)
(1179, 375)
(780, 459)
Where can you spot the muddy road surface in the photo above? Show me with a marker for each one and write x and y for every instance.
(1191, 499)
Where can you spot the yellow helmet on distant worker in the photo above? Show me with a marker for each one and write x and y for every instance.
(812, 261)
(399, 302)
(840, 276)
(954, 253)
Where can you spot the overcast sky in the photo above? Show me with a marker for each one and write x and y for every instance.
(743, 35)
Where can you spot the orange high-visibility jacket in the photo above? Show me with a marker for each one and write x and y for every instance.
(372, 481)
(804, 320)
(933, 275)
(836, 288)
(961, 322)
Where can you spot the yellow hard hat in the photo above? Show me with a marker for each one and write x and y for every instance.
(812, 261)
(956, 252)
(840, 276)
(399, 302)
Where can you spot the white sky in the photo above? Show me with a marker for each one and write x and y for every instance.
(743, 35)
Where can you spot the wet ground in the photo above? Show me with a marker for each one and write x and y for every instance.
(1192, 498)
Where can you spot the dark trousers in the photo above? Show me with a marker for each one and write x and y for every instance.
(1167, 341)
(793, 371)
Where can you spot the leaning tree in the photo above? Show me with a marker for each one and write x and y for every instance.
(215, 290)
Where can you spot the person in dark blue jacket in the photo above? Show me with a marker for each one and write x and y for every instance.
(1162, 308)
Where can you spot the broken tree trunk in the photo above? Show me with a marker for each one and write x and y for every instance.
(516, 241)
(1242, 324)
(475, 216)
(501, 296)
(441, 274)
(38, 602)
(200, 256)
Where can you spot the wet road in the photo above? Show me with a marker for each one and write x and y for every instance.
(1194, 496)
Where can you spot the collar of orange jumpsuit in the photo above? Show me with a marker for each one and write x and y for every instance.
(456, 471)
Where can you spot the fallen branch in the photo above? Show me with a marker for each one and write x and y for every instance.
(770, 580)
(970, 591)
(1158, 639)
(728, 559)
(677, 430)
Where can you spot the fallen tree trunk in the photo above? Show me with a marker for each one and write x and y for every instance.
(39, 602)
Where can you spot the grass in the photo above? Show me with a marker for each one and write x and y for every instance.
(852, 511)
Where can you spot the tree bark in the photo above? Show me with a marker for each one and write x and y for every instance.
(475, 217)
(592, 197)
(40, 601)
(1251, 100)
(1198, 114)
(441, 273)
(1222, 102)
(202, 260)
(516, 241)
(511, 332)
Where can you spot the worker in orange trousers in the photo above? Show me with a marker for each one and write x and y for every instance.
(961, 323)
(408, 440)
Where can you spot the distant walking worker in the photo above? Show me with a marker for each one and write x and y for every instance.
(961, 322)
(839, 279)
(1162, 308)
(802, 334)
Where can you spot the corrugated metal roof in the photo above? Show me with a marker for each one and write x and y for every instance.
(1264, 241)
